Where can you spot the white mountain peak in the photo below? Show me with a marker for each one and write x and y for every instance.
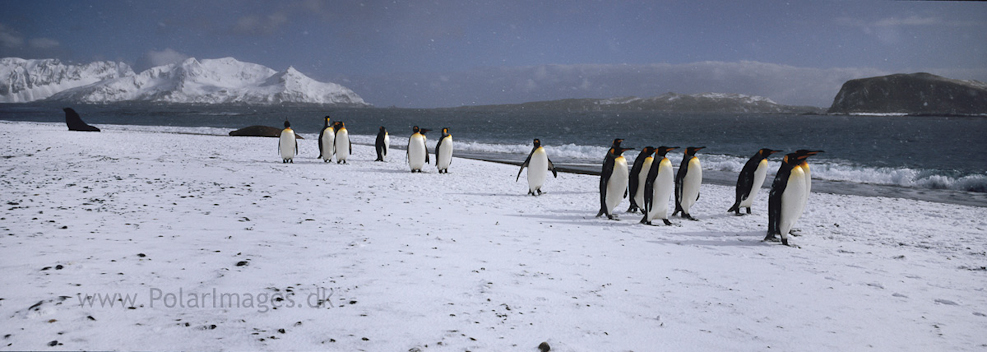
(223, 80)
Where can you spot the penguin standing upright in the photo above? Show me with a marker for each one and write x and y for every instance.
(635, 181)
(658, 188)
(750, 180)
(804, 165)
(417, 150)
(687, 182)
(785, 198)
(327, 141)
(443, 151)
(342, 147)
(538, 163)
(287, 144)
(613, 179)
(382, 144)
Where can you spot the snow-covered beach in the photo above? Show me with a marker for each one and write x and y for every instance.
(368, 256)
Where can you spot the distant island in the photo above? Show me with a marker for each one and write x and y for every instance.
(911, 94)
(668, 102)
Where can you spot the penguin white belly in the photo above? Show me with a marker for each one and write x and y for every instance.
(759, 174)
(690, 184)
(387, 143)
(663, 188)
(328, 142)
(807, 176)
(342, 145)
(416, 152)
(444, 158)
(537, 169)
(617, 184)
(287, 145)
(642, 177)
(791, 201)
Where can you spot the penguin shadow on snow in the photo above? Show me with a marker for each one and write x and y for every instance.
(732, 239)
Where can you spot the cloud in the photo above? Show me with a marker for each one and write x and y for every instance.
(504, 85)
(43, 43)
(260, 25)
(9, 38)
(159, 58)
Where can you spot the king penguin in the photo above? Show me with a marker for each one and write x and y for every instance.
(417, 151)
(658, 187)
(687, 182)
(287, 144)
(327, 141)
(538, 164)
(443, 152)
(808, 179)
(751, 179)
(635, 181)
(785, 198)
(613, 179)
(382, 144)
(343, 147)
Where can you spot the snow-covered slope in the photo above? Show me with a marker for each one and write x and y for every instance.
(23, 80)
(209, 81)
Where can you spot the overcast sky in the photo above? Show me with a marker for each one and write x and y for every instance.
(451, 53)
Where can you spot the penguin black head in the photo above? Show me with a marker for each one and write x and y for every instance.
(662, 150)
(765, 152)
(415, 129)
(690, 151)
(382, 129)
(445, 131)
(647, 151)
(616, 143)
(423, 130)
(794, 158)
(536, 143)
(620, 151)
(341, 124)
(808, 153)
(327, 121)
(287, 124)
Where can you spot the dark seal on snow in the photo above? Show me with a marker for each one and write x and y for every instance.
(259, 131)
(75, 122)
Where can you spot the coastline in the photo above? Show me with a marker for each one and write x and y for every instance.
(399, 261)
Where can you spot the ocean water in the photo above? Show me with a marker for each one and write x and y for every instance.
(925, 152)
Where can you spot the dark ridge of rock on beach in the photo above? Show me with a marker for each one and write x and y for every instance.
(75, 123)
(912, 94)
(259, 131)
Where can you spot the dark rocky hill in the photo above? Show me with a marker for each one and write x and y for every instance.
(912, 94)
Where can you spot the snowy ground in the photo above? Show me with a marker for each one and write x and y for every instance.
(464, 261)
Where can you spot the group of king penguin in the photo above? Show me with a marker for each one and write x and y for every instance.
(651, 184)
(334, 140)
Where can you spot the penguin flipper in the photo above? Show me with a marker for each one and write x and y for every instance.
(525, 164)
(604, 180)
(552, 168)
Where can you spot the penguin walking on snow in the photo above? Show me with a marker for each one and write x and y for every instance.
(342, 147)
(382, 144)
(785, 200)
(750, 180)
(635, 181)
(808, 179)
(658, 188)
(327, 141)
(443, 152)
(613, 179)
(687, 182)
(538, 165)
(417, 150)
(287, 144)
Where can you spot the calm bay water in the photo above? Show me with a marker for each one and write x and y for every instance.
(921, 152)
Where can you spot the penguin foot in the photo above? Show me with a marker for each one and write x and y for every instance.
(784, 241)
(738, 213)
(645, 221)
(770, 238)
(687, 216)
(666, 221)
(632, 209)
(795, 233)
(748, 210)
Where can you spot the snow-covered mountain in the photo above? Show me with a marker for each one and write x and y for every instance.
(24, 81)
(209, 81)
(668, 102)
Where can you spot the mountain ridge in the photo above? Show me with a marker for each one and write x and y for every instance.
(209, 81)
(668, 102)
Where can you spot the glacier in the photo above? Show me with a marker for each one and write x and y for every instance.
(209, 81)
